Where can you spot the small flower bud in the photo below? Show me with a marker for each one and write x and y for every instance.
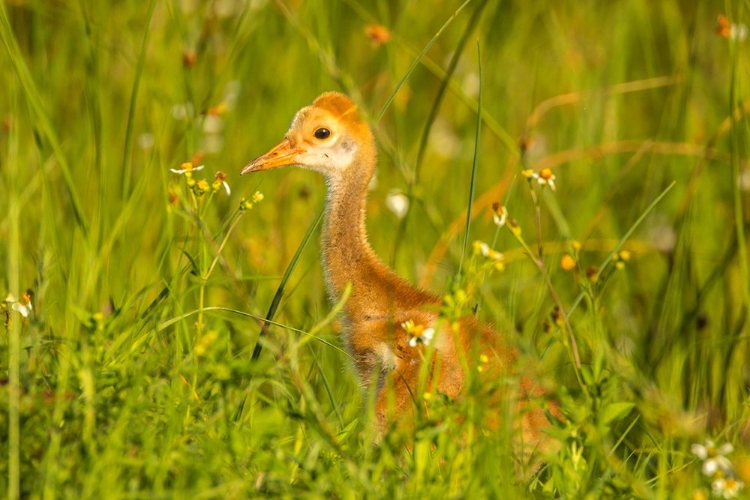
(202, 186)
(378, 35)
(189, 58)
(567, 262)
(592, 273)
(514, 227)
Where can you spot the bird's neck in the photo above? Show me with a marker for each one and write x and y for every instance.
(348, 258)
(347, 255)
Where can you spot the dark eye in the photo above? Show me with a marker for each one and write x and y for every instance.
(322, 133)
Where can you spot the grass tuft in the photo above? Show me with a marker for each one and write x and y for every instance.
(613, 145)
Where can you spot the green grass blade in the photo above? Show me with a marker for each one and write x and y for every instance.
(280, 290)
(311, 334)
(13, 326)
(127, 148)
(622, 241)
(474, 165)
(328, 388)
(43, 122)
(452, 65)
(445, 81)
(418, 58)
(93, 93)
(332, 314)
(738, 206)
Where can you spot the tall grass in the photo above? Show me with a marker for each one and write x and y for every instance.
(134, 377)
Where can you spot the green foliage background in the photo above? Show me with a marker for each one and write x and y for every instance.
(132, 378)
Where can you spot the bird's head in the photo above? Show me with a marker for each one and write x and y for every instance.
(326, 136)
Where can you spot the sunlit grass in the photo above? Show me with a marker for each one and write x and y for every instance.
(134, 374)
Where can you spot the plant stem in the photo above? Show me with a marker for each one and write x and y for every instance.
(14, 363)
(572, 344)
(233, 224)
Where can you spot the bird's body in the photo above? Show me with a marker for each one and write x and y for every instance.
(331, 137)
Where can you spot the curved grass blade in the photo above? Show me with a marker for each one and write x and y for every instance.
(419, 57)
(126, 164)
(452, 65)
(280, 290)
(331, 316)
(622, 241)
(43, 123)
(474, 164)
(310, 334)
(444, 84)
(13, 328)
(739, 212)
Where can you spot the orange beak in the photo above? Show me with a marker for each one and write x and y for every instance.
(281, 155)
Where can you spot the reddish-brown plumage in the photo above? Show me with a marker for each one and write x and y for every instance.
(380, 300)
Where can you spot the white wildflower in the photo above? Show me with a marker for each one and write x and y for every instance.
(714, 459)
(726, 487)
(544, 177)
(23, 306)
(398, 203)
(499, 214)
(418, 334)
(186, 168)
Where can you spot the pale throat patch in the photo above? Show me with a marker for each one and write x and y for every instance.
(332, 159)
(342, 154)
